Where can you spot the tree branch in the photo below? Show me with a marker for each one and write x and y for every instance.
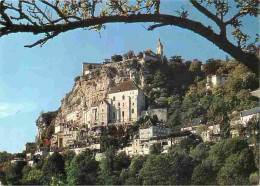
(235, 17)
(152, 27)
(207, 13)
(44, 40)
(56, 9)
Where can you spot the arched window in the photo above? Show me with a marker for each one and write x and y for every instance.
(123, 114)
(123, 97)
(114, 98)
(133, 111)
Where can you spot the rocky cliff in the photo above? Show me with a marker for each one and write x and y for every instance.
(94, 87)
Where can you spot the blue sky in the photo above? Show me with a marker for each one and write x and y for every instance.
(35, 80)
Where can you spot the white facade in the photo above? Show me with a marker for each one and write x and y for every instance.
(248, 114)
(192, 129)
(215, 81)
(123, 104)
(153, 131)
(126, 107)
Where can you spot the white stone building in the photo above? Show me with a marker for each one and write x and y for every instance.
(126, 101)
(123, 105)
(153, 132)
(248, 114)
(149, 55)
(215, 81)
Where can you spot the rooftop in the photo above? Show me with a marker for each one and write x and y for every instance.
(124, 86)
(256, 93)
(250, 112)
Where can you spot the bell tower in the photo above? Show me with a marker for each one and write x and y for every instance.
(159, 49)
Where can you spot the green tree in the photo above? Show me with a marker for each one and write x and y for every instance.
(53, 167)
(211, 66)
(5, 156)
(237, 168)
(130, 176)
(200, 129)
(117, 58)
(195, 66)
(83, 169)
(174, 112)
(200, 152)
(254, 178)
(155, 149)
(14, 173)
(220, 152)
(111, 166)
(68, 155)
(204, 174)
(156, 171)
(33, 177)
(129, 55)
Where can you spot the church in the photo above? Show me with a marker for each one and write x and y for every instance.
(123, 105)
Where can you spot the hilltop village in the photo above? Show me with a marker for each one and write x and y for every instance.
(108, 102)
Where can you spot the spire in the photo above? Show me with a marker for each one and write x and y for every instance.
(159, 48)
(159, 43)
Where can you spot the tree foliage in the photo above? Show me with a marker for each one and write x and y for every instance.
(83, 169)
(53, 167)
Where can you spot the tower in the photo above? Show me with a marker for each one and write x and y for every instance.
(159, 49)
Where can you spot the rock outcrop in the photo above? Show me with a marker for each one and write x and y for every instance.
(92, 88)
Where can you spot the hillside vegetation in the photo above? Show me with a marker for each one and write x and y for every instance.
(181, 87)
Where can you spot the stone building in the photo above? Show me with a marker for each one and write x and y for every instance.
(64, 135)
(153, 132)
(126, 101)
(149, 55)
(215, 81)
(88, 67)
(212, 134)
(123, 105)
(248, 114)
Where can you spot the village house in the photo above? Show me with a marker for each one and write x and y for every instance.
(212, 134)
(18, 160)
(193, 125)
(239, 123)
(149, 132)
(215, 81)
(248, 114)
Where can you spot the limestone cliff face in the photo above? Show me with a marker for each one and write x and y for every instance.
(94, 87)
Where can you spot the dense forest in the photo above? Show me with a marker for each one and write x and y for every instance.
(180, 86)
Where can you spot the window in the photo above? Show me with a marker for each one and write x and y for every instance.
(119, 104)
(123, 104)
(123, 97)
(133, 103)
(114, 98)
(123, 114)
(133, 111)
(114, 115)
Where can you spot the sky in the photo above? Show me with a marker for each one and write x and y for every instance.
(37, 79)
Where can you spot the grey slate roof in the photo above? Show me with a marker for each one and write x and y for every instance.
(251, 111)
